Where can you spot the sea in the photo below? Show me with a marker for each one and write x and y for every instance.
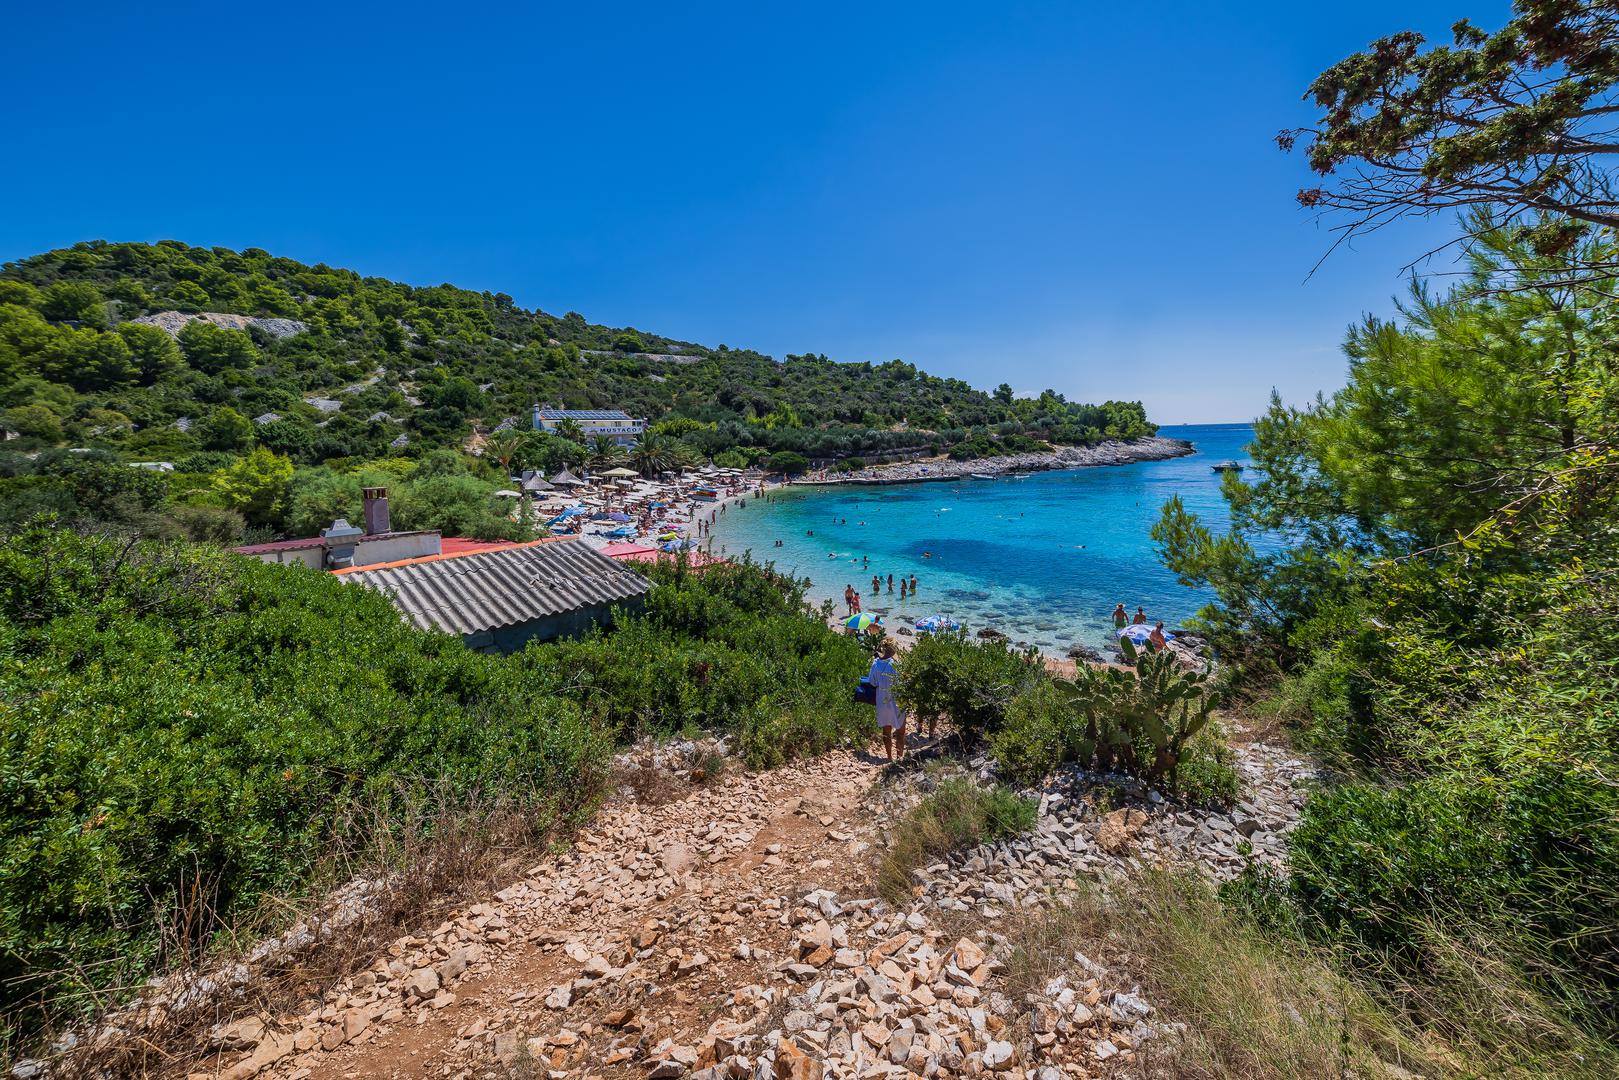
(1042, 559)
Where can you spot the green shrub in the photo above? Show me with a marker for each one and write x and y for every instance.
(970, 683)
(184, 733)
(728, 649)
(1038, 735)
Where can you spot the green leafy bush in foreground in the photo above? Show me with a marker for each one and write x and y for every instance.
(185, 734)
(174, 721)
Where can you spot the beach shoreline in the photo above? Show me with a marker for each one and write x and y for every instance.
(1108, 452)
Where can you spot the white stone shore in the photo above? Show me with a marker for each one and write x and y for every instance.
(1111, 452)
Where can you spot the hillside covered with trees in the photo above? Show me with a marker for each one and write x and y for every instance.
(297, 367)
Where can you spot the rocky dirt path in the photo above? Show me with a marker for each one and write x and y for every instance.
(651, 902)
(733, 933)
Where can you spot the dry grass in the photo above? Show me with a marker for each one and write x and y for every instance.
(1254, 1008)
(418, 866)
(1263, 1007)
(958, 814)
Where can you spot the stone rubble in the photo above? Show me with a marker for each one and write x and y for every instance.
(728, 935)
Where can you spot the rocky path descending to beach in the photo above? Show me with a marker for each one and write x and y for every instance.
(734, 933)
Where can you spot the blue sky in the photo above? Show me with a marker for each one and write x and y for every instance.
(1080, 196)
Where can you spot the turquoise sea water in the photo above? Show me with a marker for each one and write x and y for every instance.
(1042, 559)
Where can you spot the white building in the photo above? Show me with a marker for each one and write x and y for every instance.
(614, 424)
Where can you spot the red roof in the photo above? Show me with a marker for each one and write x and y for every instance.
(452, 554)
(460, 545)
(279, 545)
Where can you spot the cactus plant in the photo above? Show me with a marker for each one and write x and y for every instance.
(1158, 705)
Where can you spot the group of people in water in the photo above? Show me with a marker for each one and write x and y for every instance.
(851, 595)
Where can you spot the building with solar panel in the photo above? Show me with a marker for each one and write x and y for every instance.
(614, 424)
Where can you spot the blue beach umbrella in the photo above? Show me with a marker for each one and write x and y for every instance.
(932, 624)
(1138, 634)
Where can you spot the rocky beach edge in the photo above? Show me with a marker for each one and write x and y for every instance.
(1109, 452)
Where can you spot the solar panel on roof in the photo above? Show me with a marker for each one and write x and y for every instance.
(583, 414)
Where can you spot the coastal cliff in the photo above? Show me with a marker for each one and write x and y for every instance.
(1110, 452)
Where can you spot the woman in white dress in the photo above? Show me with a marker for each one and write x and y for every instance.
(889, 715)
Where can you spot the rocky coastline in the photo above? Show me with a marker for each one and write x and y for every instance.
(1110, 452)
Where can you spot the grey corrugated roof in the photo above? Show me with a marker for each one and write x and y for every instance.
(466, 594)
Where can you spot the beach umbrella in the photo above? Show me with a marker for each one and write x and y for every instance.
(534, 483)
(621, 473)
(931, 624)
(566, 479)
(679, 545)
(1138, 633)
(861, 621)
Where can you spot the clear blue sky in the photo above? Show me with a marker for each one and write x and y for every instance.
(1083, 196)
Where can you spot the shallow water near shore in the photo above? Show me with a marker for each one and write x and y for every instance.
(1041, 559)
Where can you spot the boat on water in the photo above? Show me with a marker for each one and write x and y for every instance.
(1021, 475)
(981, 476)
(1227, 466)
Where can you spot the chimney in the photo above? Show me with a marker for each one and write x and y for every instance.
(341, 541)
(376, 511)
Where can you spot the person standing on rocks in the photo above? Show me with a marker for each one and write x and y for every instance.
(890, 718)
(1157, 640)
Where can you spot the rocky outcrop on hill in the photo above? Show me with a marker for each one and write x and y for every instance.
(175, 321)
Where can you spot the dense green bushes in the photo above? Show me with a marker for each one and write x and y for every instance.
(172, 720)
(1420, 580)
(428, 363)
(1144, 722)
(729, 649)
(185, 733)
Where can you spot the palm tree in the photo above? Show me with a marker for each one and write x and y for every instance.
(503, 446)
(652, 455)
(570, 430)
(605, 454)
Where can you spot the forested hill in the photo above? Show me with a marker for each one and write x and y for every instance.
(94, 352)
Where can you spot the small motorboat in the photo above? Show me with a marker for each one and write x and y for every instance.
(981, 476)
(1227, 466)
